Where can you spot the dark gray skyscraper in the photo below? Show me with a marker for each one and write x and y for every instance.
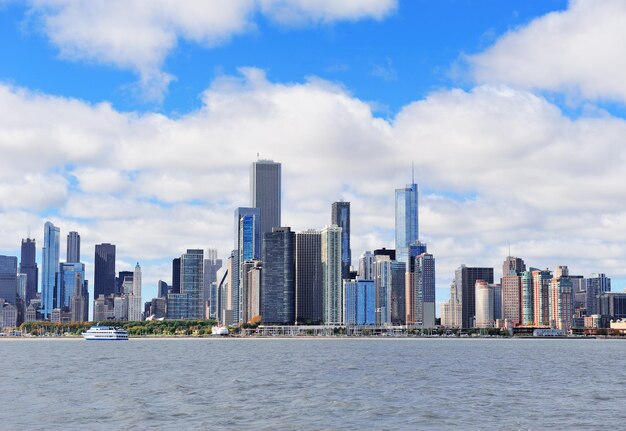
(265, 192)
(278, 277)
(175, 275)
(8, 279)
(191, 275)
(73, 247)
(341, 217)
(465, 280)
(28, 266)
(104, 270)
(309, 277)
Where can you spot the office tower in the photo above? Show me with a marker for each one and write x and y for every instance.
(341, 217)
(359, 302)
(8, 315)
(415, 249)
(528, 302)
(8, 279)
(278, 290)
(73, 247)
(497, 301)
(513, 266)
(79, 298)
(484, 304)
(69, 276)
(211, 265)
(265, 192)
(385, 252)
(134, 296)
(389, 278)
(613, 305)
(406, 220)
(49, 266)
(28, 266)
(596, 285)
(309, 277)
(465, 280)
(251, 287)
(104, 270)
(162, 289)
(332, 287)
(424, 290)
(123, 277)
(176, 275)
(366, 266)
(451, 310)
(191, 279)
(248, 246)
(541, 296)
(561, 301)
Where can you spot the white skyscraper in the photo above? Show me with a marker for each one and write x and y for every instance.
(134, 299)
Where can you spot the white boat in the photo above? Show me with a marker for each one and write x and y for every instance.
(219, 330)
(105, 333)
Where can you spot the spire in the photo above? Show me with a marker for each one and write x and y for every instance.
(412, 172)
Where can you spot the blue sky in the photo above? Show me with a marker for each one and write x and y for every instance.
(136, 125)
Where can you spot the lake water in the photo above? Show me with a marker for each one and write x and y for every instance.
(197, 384)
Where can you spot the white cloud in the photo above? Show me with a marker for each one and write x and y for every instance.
(578, 51)
(496, 166)
(138, 35)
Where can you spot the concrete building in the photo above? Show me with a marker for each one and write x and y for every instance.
(451, 311)
(366, 266)
(134, 298)
(541, 296)
(561, 302)
(73, 248)
(484, 304)
(596, 285)
(211, 266)
(251, 282)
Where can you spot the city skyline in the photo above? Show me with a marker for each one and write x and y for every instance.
(501, 159)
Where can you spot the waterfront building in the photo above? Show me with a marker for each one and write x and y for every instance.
(423, 304)
(613, 305)
(79, 301)
(359, 302)
(191, 279)
(248, 246)
(49, 266)
(451, 310)
(465, 280)
(484, 304)
(8, 279)
(497, 301)
(278, 276)
(512, 298)
(28, 266)
(528, 303)
(541, 296)
(73, 248)
(513, 266)
(104, 270)
(389, 278)
(406, 220)
(332, 287)
(120, 307)
(309, 278)
(177, 307)
(251, 282)
(415, 249)
(8, 314)
(340, 216)
(596, 285)
(366, 266)
(134, 297)
(561, 301)
(265, 194)
(211, 265)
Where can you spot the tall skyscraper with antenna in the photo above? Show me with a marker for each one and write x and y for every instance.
(406, 219)
(265, 180)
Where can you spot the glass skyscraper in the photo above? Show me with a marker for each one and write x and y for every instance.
(28, 266)
(406, 221)
(73, 248)
(248, 247)
(191, 281)
(341, 217)
(104, 270)
(49, 266)
(278, 277)
(8, 279)
(70, 276)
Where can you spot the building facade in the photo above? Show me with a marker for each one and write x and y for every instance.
(465, 280)
(49, 266)
(278, 290)
(28, 266)
(332, 287)
(104, 270)
(340, 216)
(359, 302)
(265, 193)
(406, 221)
(309, 277)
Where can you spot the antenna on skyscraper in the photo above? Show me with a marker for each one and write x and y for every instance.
(257, 156)
(412, 172)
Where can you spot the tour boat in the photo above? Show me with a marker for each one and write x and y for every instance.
(219, 330)
(105, 333)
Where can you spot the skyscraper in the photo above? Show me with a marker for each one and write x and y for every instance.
(451, 310)
(134, 299)
(265, 181)
(176, 275)
(465, 280)
(211, 266)
(28, 266)
(511, 282)
(73, 247)
(561, 301)
(8, 279)
(49, 266)
(278, 277)
(424, 296)
(596, 285)
(366, 266)
(341, 217)
(104, 270)
(528, 303)
(359, 302)
(191, 279)
(541, 296)
(332, 287)
(69, 276)
(309, 277)
(406, 221)
(248, 246)
(484, 304)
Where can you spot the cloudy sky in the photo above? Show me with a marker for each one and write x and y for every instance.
(135, 122)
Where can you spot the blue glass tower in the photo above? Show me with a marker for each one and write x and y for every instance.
(248, 247)
(49, 266)
(70, 276)
(406, 221)
(341, 217)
